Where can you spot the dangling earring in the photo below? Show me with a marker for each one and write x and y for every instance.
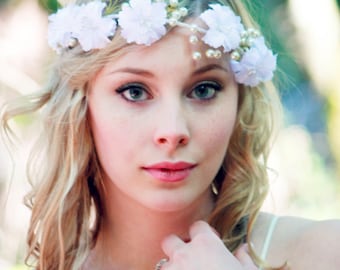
(214, 189)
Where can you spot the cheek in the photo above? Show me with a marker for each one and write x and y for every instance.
(112, 134)
(217, 130)
(217, 141)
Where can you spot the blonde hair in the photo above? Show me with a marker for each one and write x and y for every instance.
(66, 176)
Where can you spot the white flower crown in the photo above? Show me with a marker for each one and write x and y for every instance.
(144, 22)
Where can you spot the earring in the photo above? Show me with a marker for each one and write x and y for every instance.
(214, 189)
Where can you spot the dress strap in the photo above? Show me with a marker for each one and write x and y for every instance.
(269, 236)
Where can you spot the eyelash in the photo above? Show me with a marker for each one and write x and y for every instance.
(125, 90)
(130, 86)
(212, 85)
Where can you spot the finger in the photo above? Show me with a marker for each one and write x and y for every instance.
(172, 243)
(215, 231)
(201, 227)
(242, 254)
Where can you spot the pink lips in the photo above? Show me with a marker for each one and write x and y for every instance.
(170, 172)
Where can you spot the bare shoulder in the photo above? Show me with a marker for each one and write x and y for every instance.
(302, 243)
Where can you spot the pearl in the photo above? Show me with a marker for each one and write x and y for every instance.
(173, 3)
(217, 54)
(244, 42)
(244, 34)
(176, 15)
(250, 42)
(210, 53)
(253, 32)
(172, 21)
(194, 28)
(193, 39)
(196, 55)
(72, 43)
(235, 55)
(183, 11)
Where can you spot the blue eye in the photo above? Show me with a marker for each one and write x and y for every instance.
(205, 90)
(133, 92)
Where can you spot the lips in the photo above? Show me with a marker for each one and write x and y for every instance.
(170, 172)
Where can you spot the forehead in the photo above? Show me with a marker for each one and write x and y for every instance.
(173, 51)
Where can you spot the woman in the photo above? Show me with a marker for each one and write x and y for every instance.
(158, 118)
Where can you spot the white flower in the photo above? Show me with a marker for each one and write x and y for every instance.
(225, 27)
(90, 27)
(256, 65)
(142, 21)
(59, 32)
(84, 23)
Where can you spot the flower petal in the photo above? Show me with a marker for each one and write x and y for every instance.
(59, 33)
(91, 28)
(143, 22)
(222, 21)
(257, 65)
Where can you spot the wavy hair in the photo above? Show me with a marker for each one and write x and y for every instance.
(66, 177)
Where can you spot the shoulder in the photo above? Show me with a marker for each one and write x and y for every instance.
(303, 243)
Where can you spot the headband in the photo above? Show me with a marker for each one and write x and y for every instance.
(94, 24)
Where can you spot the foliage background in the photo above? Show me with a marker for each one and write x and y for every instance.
(305, 160)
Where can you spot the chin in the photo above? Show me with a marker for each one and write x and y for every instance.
(172, 204)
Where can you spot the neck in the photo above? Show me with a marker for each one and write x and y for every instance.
(131, 235)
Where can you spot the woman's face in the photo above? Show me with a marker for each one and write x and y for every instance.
(161, 123)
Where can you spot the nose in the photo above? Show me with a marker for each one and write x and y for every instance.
(172, 131)
(173, 140)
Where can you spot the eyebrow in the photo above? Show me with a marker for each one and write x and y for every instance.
(143, 72)
(136, 71)
(209, 68)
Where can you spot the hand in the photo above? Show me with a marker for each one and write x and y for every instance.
(205, 250)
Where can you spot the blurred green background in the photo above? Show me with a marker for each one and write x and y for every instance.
(305, 161)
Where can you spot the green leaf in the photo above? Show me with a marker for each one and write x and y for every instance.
(51, 6)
